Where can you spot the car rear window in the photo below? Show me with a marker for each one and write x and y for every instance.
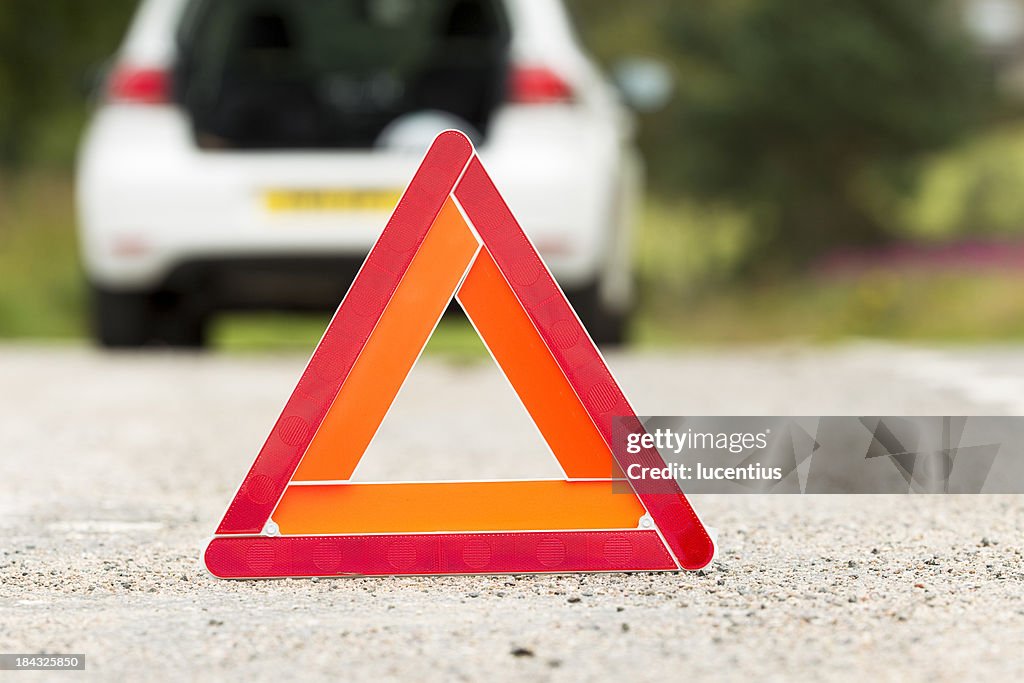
(336, 73)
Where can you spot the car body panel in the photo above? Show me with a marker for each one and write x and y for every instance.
(150, 200)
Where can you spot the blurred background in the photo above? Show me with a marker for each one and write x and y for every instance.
(821, 171)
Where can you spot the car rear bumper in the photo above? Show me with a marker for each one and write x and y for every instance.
(296, 283)
(153, 209)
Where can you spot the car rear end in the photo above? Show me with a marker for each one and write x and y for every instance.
(248, 152)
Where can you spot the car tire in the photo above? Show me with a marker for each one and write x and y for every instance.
(121, 319)
(181, 328)
(608, 328)
(132, 319)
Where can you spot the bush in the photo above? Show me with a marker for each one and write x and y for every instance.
(811, 116)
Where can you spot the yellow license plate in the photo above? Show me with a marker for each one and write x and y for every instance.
(280, 201)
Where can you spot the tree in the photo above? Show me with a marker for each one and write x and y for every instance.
(807, 113)
(46, 52)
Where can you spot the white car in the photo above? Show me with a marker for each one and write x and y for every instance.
(247, 153)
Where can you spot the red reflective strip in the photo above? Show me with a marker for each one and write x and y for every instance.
(247, 557)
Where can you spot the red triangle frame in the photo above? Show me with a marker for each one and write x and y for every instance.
(245, 546)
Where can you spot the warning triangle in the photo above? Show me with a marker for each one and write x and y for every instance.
(298, 513)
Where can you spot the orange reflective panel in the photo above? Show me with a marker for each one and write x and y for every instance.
(311, 509)
(542, 387)
(393, 346)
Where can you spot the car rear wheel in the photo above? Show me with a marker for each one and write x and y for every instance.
(131, 319)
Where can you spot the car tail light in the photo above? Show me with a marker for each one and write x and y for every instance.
(537, 85)
(139, 85)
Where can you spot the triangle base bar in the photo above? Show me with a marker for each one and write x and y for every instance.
(254, 557)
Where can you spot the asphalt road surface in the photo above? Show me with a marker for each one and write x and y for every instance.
(115, 470)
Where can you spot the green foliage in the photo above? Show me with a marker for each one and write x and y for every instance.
(911, 305)
(974, 189)
(48, 52)
(41, 290)
(809, 115)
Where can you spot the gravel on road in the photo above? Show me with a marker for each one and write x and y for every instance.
(116, 469)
